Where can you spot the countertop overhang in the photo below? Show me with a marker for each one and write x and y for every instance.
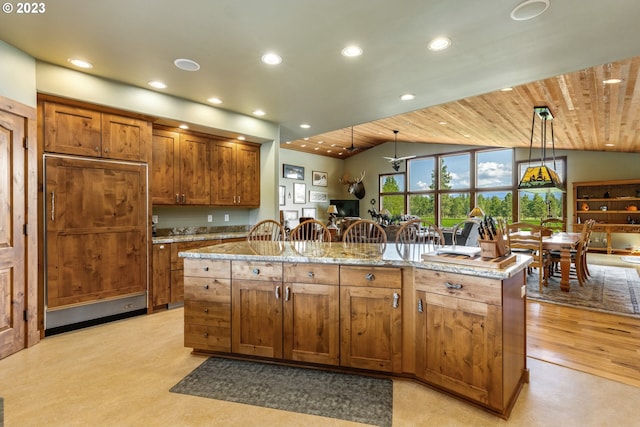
(391, 254)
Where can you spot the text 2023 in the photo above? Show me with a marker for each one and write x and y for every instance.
(31, 8)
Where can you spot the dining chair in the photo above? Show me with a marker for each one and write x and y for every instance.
(266, 230)
(527, 238)
(310, 230)
(365, 231)
(420, 231)
(465, 233)
(579, 266)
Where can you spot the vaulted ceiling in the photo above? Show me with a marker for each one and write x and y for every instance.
(557, 59)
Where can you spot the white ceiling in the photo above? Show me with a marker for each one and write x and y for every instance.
(135, 41)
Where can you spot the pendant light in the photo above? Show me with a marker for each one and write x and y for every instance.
(541, 179)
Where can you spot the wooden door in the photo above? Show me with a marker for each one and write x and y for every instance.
(124, 138)
(223, 173)
(257, 318)
(95, 213)
(164, 169)
(195, 181)
(72, 130)
(13, 284)
(311, 323)
(371, 328)
(161, 275)
(248, 174)
(459, 346)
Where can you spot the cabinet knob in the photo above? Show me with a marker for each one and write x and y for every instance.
(256, 271)
(206, 286)
(206, 335)
(206, 269)
(161, 246)
(311, 274)
(396, 300)
(370, 277)
(206, 310)
(453, 286)
(106, 150)
(420, 306)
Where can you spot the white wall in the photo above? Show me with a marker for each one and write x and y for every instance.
(310, 162)
(17, 75)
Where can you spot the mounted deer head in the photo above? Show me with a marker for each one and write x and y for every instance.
(356, 187)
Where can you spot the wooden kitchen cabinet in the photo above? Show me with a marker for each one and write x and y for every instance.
(160, 275)
(235, 174)
(256, 295)
(84, 132)
(180, 169)
(371, 318)
(311, 313)
(207, 310)
(176, 284)
(465, 343)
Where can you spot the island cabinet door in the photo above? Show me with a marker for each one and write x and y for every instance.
(370, 328)
(311, 323)
(257, 317)
(459, 346)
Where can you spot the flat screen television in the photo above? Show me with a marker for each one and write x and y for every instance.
(347, 208)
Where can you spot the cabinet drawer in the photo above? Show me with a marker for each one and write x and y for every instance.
(208, 313)
(207, 289)
(377, 277)
(472, 288)
(255, 270)
(207, 268)
(312, 273)
(204, 337)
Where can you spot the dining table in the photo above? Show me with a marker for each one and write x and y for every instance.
(564, 242)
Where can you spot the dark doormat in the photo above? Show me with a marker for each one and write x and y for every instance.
(308, 391)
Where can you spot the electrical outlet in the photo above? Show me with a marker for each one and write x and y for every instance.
(226, 217)
(209, 218)
(523, 291)
(154, 219)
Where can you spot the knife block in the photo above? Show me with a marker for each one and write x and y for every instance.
(493, 248)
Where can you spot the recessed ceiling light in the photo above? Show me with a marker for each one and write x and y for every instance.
(271, 58)
(407, 97)
(259, 113)
(506, 89)
(241, 138)
(351, 51)
(186, 64)
(609, 145)
(442, 123)
(320, 142)
(529, 9)
(158, 85)
(288, 142)
(80, 63)
(303, 145)
(611, 81)
(305, 126)
(183, 126)
(439, 43)
(214, 100)
(316, 148)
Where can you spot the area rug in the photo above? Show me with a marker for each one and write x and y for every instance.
(609, 289)
(308, 391)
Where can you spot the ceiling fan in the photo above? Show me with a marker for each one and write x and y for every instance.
(352, 148)
(395, 160)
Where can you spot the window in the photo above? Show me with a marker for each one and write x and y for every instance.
(392, 193)
(446, 194)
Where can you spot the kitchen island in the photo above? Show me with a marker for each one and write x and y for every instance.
(371, 309)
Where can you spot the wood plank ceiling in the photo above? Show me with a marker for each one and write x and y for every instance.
(589, 115)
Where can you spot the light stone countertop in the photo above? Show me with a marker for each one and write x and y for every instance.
(200, 236)
(337, 253)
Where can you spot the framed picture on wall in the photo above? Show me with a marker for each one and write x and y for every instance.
(299, 192)
(319, 179)
(292, 172)
(282, 195)
(309, 212)
(290, 215)
(317, 196)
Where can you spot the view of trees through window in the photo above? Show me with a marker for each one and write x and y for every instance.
(445, 195)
